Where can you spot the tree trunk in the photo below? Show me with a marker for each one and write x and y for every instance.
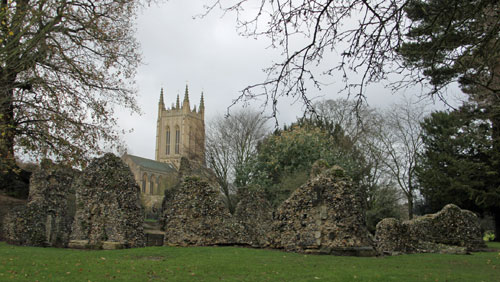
(410, 206)
(495, 118)
(7, 134)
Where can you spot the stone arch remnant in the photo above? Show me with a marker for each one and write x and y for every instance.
(108, 210)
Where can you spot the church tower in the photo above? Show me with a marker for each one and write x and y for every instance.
(180, 131)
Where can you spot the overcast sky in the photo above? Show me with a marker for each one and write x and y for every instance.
(209, 56)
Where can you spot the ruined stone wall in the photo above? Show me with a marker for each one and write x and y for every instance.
(108, 205)
(194, 214)
(46, 220)
(7, 205)
(452, 230)
(326, 215)
(255, 215)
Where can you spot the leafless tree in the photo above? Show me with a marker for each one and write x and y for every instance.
(360, 41)
(400, 138)
(357, 121)
(361, 124)
(231, 145)
(365, 33)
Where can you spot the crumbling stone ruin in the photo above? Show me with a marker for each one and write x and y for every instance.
(100, 208)
(255, 215)
(8, 204)
(195, 214)
(108, 210)
(326, 216)
(46, 219)
(452, 230)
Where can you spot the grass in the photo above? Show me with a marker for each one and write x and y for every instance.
(237, 264)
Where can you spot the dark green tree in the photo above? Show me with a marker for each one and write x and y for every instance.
(457, 165)
(454, 40)
(459, 41)
(284, 159)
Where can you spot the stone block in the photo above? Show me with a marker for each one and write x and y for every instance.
(78, 244)
(108, 245)
(154, 239)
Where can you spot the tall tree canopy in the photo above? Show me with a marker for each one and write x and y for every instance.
(284, 159)
(455, 40)
(64, 66)
(458, 164)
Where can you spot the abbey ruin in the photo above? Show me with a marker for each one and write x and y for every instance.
(104, 206)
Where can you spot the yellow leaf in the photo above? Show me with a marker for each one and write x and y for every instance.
(11, 33)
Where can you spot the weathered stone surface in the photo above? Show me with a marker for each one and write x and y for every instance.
(79, 244)
(7, 204)
(46, 220)
(452, 230)
(154, 238)
(326, 215)
(255, 215)
(107, 245)
(189, 168)
(108, 205)
(194, 214)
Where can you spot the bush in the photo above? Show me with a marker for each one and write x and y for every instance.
(489, 236)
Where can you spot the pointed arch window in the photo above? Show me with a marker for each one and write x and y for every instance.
(177, 139)
(168, 140)
(151, 185)
(144, 181)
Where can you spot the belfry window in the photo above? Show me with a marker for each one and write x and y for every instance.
(177, 139)
(168, 141)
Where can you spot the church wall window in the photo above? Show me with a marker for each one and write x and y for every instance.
(177, 139)
(151, 185)
(144, 181)
(158, 185)
(168, 141)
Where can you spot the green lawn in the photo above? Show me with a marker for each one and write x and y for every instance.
(236, 264)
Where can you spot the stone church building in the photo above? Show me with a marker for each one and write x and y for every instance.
(180, 132)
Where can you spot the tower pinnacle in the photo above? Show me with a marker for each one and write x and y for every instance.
(185, 103)
(202, 104)
(161, 97)
(186, 94)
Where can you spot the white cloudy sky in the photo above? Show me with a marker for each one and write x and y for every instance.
(209, 56)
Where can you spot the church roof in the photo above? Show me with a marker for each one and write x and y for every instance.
(151, 164)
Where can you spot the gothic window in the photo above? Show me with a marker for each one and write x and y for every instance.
(168, 140)
(144, 181)
(177, 139)
(158, 185)
(151, 185)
